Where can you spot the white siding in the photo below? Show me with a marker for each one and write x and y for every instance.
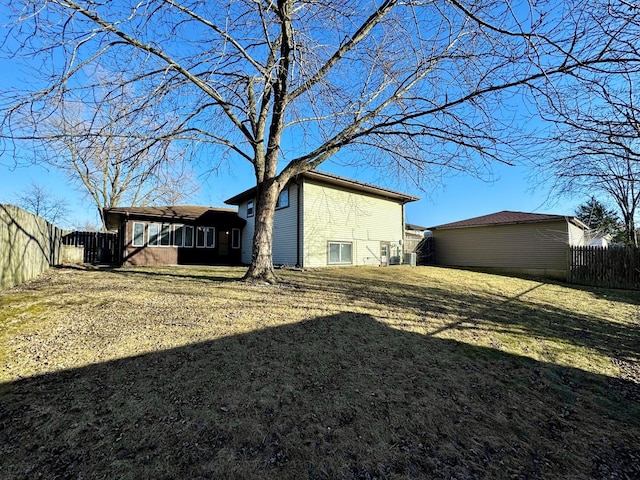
(335, 214)
(285, 250)
(247, 233)
(576, 236)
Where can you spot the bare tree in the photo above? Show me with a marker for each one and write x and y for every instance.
(40, 201)
(597, 144)
(110, 146)
(416, 86)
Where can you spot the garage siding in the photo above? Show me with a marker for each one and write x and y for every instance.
(536, 247)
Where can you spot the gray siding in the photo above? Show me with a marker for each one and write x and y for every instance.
(247, 233)
(285, 229)
(539, 248)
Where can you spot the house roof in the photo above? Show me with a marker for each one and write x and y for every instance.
(507, 217)
(183, 213)
(338, 181)
(413, 226)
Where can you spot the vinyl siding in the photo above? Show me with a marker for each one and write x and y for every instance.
(577, 236)
(285, 229)
(535, 247)
(334, 214)
(247, 233)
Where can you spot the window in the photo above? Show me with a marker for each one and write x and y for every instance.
(165, 235)
(210, 238)
(235, 238)
(200, 237)
(154, 231)
(138, 234)
(205, 237)
(178, 235)
(250, 208)
(283, 199)
(340, 253)
(188, 236)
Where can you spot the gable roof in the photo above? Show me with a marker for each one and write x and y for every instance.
(507, 217)
(338, 181)
(413, 226)
(176, 213)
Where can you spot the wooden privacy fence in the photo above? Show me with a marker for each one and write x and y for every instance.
(29, 245)
(614, 267)
(99, 247)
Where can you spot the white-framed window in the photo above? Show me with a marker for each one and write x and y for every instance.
(154, 234)
(235, 238)
(188, 236)
(340, 253)
(210, 238)
(200, 234)
(137, 239)
(165, 235)
(178, 235)
(205, 237)
(283, 199)
(250, 208)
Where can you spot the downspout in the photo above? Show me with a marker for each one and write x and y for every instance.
(403, 239)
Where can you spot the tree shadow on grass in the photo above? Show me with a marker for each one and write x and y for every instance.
(338, 397)
(496, 313)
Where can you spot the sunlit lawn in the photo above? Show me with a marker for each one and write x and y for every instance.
(337, 373)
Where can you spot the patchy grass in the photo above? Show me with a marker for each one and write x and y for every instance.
(342, 373)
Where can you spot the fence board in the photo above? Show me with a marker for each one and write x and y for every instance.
(613, 267)
(99, 247)
(29, 245)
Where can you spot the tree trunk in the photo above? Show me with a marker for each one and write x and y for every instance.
(261, 269)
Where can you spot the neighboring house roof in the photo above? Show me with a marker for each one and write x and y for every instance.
(184, 213)
(507, 217)
(411, 226)
(338, 181)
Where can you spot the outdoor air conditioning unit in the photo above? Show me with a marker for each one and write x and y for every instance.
(410, 259)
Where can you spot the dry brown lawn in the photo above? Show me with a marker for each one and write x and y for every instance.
(355, 373)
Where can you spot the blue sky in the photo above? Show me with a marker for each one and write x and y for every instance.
(456, 198)
(453, 198)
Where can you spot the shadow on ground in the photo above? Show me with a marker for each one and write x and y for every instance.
(339, 397)
(506, 314)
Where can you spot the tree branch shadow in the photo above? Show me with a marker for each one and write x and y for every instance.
(341, 396)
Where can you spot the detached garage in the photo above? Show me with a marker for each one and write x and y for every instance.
(518, 242)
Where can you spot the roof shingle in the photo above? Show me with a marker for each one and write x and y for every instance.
(505, 217)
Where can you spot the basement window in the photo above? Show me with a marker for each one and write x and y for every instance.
(340, 253)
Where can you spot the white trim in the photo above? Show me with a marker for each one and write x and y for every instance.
(177, 227)
(284, 191)
(153, 226)
(206, 231)
(332, 242)
(190, 228)
(162, 235)
(133, 234)
(238, 233)
(212, 231)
